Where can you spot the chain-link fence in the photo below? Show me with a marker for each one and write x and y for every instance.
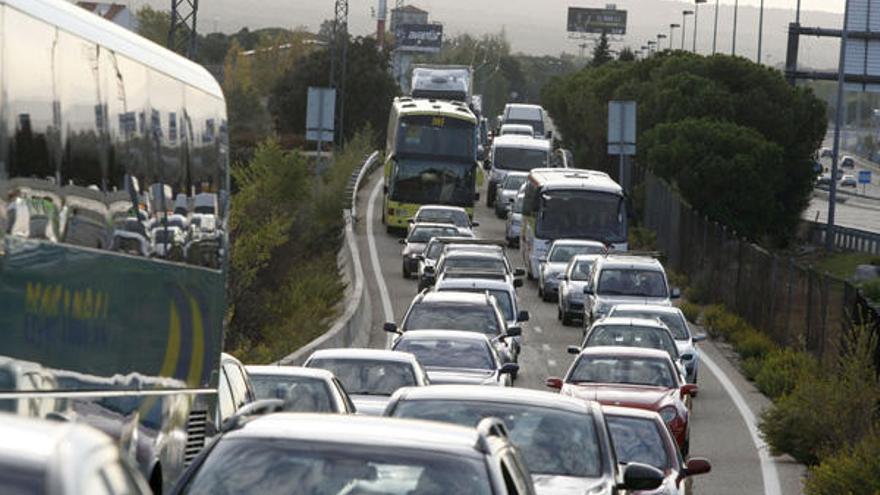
(796, 305)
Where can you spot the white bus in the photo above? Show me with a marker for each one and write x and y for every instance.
(570, 204)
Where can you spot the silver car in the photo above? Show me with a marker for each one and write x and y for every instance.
(454, 215)
(59, 458)
(552, 269)
(457, 357)
(622, 279)
(575, 278)
(302, 389)
(674, 319)
(370, 376)
(513, 226)
(415, 243)
(506, 190)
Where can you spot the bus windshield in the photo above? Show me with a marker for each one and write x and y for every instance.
(437, 136)
(582, 215)
(429, 181)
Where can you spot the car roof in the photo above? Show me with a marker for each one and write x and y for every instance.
(476, 253)
(371, 354)
(473, 283)
(442, 207)
(631, 322)
(611, 350)
(516, 127)
(630, 412)
(576, 242)
(523, 105)
(455, 297)
(520, 141)
(363, 431)
(644, 308)
(445, 335)
(510, 395)
(585, 257)
(30, 442)
(516, 174)
(434, 225)
(632, 262)
(551, 179)
(292, 371)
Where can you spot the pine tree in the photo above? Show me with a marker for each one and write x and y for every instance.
(602, 52)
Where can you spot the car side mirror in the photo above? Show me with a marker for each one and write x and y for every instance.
(514, 331)
(476, 196)
(549, 134)
(699, 337)
(523, 316)
(517, 283)
(676, 293)
(391, 327)
(542, 259)
(509, 369)
(689, 389)
(573, 349)
(554, 383)
(475, 224)
(411, 221)
(401, 241)
(697, 465)
(638, 477)
(429, 270)
(588, 290)
(385, 190)
(519, 272)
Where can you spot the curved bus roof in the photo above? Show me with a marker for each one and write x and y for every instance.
(407, 106)
(75, 20)
(555, 179)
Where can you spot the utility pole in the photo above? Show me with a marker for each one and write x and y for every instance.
(760, 31)
(735, 13)
(339, 63)
(684, 16)
(715, 35)
(832, 190)
(182, 35)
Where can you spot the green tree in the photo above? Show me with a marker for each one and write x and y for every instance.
(154, 24)
(369, 88)
(627, 55)
(601, 52)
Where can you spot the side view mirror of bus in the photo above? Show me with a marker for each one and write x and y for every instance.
(549, 134)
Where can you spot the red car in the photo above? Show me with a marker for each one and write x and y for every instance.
(641, 437)
(631, 377)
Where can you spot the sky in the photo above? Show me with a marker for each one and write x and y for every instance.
(538, 26)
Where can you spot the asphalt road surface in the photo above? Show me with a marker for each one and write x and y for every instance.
(723, 417)
(857, 212)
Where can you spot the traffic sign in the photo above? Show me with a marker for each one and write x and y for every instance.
(621, 128)
(864, 176)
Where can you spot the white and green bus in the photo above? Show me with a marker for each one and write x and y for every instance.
(570, 204)
(431, 158)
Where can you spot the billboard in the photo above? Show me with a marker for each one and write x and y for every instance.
(863, 53)
(419, 38)
(596, 21)
(320, 114)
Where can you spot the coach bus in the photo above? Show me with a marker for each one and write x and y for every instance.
(107, 144)
(431, 158)
(570, 204)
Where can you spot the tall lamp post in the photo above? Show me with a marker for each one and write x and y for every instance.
(672, 28)
(696, 20)
(715, 34)
(684, 16)
(651, 46)
(760, 31)
(735, 12)
(660, 37)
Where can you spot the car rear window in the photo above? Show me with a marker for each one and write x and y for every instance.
(469, 318)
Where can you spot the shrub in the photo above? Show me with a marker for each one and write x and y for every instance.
(752, 367)
(691, 311)
(750, 343)
(832, 409)
(852, 471)
(720, 323)
(677, 279)
(642, 239)
(700, 289)
(782, 370)
(711, 317)
(871, 289)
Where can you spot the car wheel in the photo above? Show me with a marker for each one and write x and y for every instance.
(406, 273)
(540, 290)
(558, 313)
(566, 319)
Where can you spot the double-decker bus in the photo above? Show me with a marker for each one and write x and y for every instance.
(570, 204)
(114, 196)
(431, 158)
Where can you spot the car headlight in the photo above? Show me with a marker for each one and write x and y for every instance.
(668, 414)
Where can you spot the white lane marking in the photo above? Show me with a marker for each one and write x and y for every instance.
(551, 363)
(539, 330)
(545, 347)
(768, 466)
(387, 310)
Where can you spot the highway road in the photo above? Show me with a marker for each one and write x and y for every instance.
(858, 212)
(723, 422)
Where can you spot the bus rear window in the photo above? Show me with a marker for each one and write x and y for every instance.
(437, 136)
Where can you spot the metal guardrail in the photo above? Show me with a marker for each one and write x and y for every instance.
(845, 238)
(348, 329)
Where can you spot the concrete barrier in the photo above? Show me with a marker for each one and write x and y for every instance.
(349, 329)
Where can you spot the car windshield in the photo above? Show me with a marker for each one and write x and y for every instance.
(563, 253)
(553, 442)
(476, 263)
(632, 336)
(532, 121)
(447, 353)
(635, 283)
(513, 182)
(522, 159)
(23, 480)
(581, 214)
(300, 394)
(505, 304)
(431, 181)
(624, 370)
(470, 318)
(581, 270)
(163, 235)
(424, 234)
(674, 321)
(281, 466)
(368, 376)
(459, 218)
(638, 440)
(434, 250)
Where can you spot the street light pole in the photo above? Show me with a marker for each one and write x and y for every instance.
(659, 38)
(684, 14)
(696, 20)
(735, 12)
(760, 31)
(832, 190)
(715, 35)
(672, 28)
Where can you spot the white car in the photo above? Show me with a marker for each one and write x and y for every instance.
(848, 181)
(621, 279)
(513, 226)
(515, 154)
(443, 214)
(517, 129)
(576, 277)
